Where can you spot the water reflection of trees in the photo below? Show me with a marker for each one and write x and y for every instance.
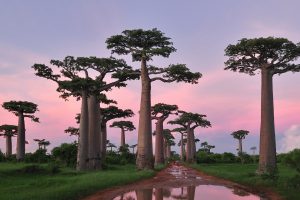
(144, 194)
(187, 193)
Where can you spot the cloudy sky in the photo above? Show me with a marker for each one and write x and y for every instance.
(37, 31)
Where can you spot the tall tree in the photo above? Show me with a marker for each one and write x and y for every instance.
(190, 121)
(133, 147)
(107, 114)
(182, 141)
(269, 56)
(110, 145)
(143, 45)
(240, 135)
(160, 112)
(39, 142)
(124, 126)
(21, 109)
(168, 139)
(8, 131)
(74, 80)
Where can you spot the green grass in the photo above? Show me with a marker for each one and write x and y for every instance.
(245, 174)
(67, 184)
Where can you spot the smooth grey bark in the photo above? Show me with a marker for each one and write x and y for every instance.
(145, 153)
(94, 157)
(181, 148)
(189, 156)
(267, 155)
(122, 137)
(240, 146)
(103, 140)
(159, 140)
(8, 146)
(193, 146)
(82, 157)
(21, 137)
(168, 151)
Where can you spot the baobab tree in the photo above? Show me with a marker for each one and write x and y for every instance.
(160, 112)
(253, 149)
(42, 143)
(22, 109)
(39, 142)
(240, 135)
(111, 146)
(124, 126)
(74, 80)
(168, 140)
(133, 147)
(182, 141)
(143, 45)
(269, 56)
(190, 121)
(8, 131)
(107, 114)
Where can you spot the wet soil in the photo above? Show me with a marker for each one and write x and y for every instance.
(179, 176)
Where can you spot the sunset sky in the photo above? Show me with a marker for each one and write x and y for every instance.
(38, 31)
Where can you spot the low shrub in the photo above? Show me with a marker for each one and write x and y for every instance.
(2, 156)
(292, 159)
(39, 156)
(65, 154)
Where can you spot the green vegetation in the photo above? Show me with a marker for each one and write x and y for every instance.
(245, 174)
(47, 181)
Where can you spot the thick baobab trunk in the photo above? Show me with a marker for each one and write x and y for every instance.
(267, 155)
(145, 154)
(189, 155)
(168, 151)
(193, 146)
(181, 148)
(82, 157)
(240, 146)
(122, 137)
(159, 140)
(94, 156)
(8, 146)
(103, 140)
(21, 137)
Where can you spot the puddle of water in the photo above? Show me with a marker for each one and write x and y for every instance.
(185, 184)
(203, 192)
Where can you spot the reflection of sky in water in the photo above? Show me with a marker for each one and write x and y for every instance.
(207, 192)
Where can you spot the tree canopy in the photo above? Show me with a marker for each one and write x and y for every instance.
(72, 131)
(191, 119)
(24, 107)
(125, 125)
(240, 134)
(74, 74)
(8, 130)
(161, 110)
(141, 44)
(113, 112)
(250, 55)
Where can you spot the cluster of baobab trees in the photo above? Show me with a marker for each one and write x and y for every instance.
(90, 78)
(84, 79)
(22, 109)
